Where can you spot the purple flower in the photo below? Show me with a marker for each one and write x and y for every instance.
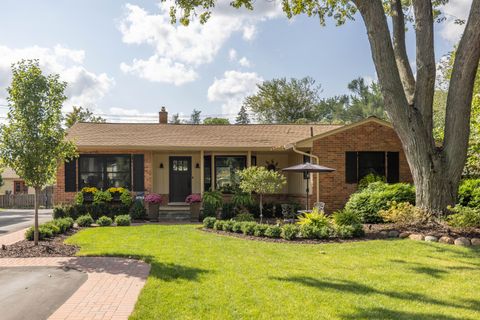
(193, 198)
(153, 198)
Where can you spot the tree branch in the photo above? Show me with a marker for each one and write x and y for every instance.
(459, 100)
(425, 85)
(399, 47)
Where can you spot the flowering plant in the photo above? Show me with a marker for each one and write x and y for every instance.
(89, 190)
(153, 198)
(113, 190)
(193, 198)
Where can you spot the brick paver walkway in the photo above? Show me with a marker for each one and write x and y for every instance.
(13, 237)
(110, 292)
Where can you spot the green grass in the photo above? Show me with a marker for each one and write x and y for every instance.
(198, 275)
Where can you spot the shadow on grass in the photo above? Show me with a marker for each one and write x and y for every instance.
(361, 289)
(382, 313)
(416, 267)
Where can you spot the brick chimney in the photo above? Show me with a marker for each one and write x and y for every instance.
(163, 116)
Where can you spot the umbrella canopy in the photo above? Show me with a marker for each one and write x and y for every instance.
(308, 167)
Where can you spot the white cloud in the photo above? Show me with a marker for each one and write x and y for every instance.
(244, 62)
(232, 89)
(186, 48)
(455, 9)
(84, 87)
(232, 55)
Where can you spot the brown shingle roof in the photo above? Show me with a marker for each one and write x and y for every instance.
(151, 136)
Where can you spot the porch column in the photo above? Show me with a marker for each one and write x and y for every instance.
(212, 171)
(202, 173)
(249, 158)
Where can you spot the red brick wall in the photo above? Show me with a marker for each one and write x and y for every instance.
(60, 196)
(331, 150)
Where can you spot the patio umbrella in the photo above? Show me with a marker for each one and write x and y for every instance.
(307, 168)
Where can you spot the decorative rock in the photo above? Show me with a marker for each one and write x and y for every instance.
(404, 235)
(383, 234)
(475, 241)
(462, 241)
(393, 234)
(431, 239)
(446, 240)
(416, 236)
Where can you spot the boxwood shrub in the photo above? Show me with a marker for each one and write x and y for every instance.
(50, 229)
(218, 225)
(469, 193)
(259, 230)
(85, 220)
(104, 221)
(290, 231)
(366, 203)
(273, 231)
(123, 220)
(208, 222)
(248, 228)
(237, 227)
(228, 225)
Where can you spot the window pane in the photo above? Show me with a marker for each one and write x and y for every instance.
(104, 171)
(371, 162)
(226, 168)
(118, 164)
(90, 164)
(91, 179)
(118, 179)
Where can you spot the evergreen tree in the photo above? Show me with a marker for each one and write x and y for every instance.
(242, 117)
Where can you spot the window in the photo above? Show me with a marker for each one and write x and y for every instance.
(105, 171)
(225, 171)
(20, 187)
(360, 164)
(207, 173)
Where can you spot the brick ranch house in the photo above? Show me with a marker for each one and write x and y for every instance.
(175, 160)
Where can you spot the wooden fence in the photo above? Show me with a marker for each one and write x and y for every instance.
(27, 201)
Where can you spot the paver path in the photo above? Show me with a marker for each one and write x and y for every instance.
(110, 292)
(13, 237)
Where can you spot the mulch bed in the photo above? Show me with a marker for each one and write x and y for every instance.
(46, 248)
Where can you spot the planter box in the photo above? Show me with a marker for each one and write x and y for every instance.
(195, 211)
(153, 211)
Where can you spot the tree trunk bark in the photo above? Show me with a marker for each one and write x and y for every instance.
(35, 232)
(261, 207)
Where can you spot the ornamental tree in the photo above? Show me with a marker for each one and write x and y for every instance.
(261, 181)
(33, 141)
(408, 95)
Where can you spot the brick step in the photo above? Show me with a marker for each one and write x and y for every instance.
(174, 216)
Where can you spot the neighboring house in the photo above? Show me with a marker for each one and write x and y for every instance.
(175, 160)
(13, 184)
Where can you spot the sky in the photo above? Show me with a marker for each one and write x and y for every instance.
(124, 59)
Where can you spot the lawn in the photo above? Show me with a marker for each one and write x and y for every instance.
(199, 275)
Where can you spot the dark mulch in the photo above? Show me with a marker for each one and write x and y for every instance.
(46, 248)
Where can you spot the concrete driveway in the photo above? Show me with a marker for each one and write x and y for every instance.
(12, 220)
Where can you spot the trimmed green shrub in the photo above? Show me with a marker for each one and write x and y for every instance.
(367, 203)
(344, 232)
(59, 212)
(315, 218)
(273, 231)
(52, 226)
(290, 231)
(64, 224)
(228, 225)
(104, 221)
(102, 197)
(218, 225)
(464, 217)
(212, 200)
(370, 178)
(248, 228)
(43, 233)
(311, 232)
(85, 220)
(237, 226)
(123, 220)
(208, 222)
(244, 217)
(259, 230)
(469, 193)
(405, 214)
(346, 218)
(137, 211)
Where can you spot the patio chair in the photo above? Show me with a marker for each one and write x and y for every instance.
(287, 212)
(320, 206)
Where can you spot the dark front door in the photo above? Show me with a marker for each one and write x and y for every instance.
(180, 178)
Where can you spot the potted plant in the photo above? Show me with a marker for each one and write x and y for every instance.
(195, 201)
(88, 193)
(116, 193)
(212, 203)
(153, 202)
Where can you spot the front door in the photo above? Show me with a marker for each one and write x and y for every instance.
(180, 178)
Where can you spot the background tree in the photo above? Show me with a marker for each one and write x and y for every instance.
(195, 116)
(80, 114)
(210, 120)
(365, 101)
(408, 99)
(261, 181)
(33, 141)
(242, 117)
(176, 119)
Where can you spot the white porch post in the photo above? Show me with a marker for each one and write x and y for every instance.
(212, 171)
(202, 173)
(249, 158)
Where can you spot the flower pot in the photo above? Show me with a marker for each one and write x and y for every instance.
(152, 211)
(88, 197)
(195, 211)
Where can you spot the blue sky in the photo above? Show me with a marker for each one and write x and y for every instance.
(125, 59)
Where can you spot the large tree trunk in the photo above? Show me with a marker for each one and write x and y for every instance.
(35, 233)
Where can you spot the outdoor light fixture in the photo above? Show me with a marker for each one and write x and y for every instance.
(197, 166)
(161, 165)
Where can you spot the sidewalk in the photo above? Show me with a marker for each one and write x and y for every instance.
(13, 237)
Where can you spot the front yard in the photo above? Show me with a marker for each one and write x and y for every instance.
(198, 275)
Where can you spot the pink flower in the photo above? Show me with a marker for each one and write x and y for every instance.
(193, 198)
(153, 198)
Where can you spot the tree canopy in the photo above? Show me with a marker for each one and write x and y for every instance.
(195, 116)
(80, 114)
(242, 117)
(210, 120)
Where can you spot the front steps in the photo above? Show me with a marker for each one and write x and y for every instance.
(174, 212)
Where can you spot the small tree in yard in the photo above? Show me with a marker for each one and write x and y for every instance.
(33, 141)
(261, 181)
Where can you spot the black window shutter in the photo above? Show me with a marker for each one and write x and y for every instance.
(138, 172)
(70, 176)
(393, 167)
(351, 173)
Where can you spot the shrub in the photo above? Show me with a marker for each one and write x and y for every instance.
(290, 231)
(315, 218)
(102, 197)
(309, 231)
(85, 220)
(273, 232)
(137, 210)
(228, 225)
(218, 225)
(43, 233)
(259, 230)
(464, 217)
(123, 220)
(126, 197)
(64, 224)
(405, 214)
(469, 193)
(345, 232)
(52, 226)
(370, 178)
(104, 221)
(248, 228)
(346, 218)
(208, 222)
(237, 226)
(244, 217)
(78, 198)
(367, 203)
(242, 200)
(228, 210)
(214, 199)
(59, 212)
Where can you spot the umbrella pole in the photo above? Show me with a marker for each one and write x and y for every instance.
(308, 184)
